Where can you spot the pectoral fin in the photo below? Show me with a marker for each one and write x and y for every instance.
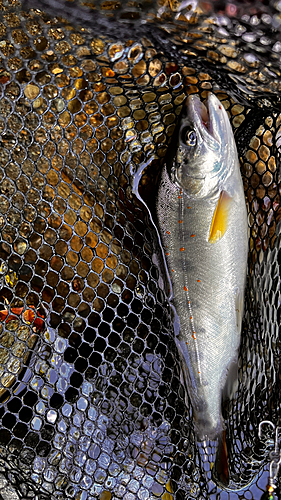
(220, 218)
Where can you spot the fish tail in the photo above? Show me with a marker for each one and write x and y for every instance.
(221, 466)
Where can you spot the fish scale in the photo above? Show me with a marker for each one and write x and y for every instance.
(33, 52)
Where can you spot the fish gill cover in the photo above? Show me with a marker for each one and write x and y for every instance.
(91, 400)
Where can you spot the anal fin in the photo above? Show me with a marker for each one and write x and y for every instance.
(231, 383)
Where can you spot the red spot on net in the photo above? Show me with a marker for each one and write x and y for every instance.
(193, 336)
(168, 232)
(173, 270)
(167, 253)
(180, 221)
(182, 249)
(198, 281)
(4, 79)
(188, 207)
(185, 288)
(192, 236)
(28, 316)
(179, 197)
(191, 317)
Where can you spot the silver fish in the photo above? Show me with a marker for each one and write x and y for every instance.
(202, 220)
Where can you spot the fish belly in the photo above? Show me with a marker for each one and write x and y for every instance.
(207, 285)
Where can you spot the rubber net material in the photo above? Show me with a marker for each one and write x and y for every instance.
(91, 400)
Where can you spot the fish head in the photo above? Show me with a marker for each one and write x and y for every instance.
(204, 145)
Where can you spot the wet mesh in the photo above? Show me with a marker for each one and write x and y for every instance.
(92, 404)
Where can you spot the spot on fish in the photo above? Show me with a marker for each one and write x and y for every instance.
(182, 249)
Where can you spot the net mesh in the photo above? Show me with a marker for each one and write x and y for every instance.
(91, 400)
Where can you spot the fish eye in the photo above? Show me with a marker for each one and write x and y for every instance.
(188, 137)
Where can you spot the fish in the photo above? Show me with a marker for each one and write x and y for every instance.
(202, 222)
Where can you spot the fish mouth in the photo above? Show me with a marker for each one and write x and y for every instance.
(202, 114)
(202, 111)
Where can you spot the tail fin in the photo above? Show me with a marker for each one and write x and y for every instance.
(221, 465)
